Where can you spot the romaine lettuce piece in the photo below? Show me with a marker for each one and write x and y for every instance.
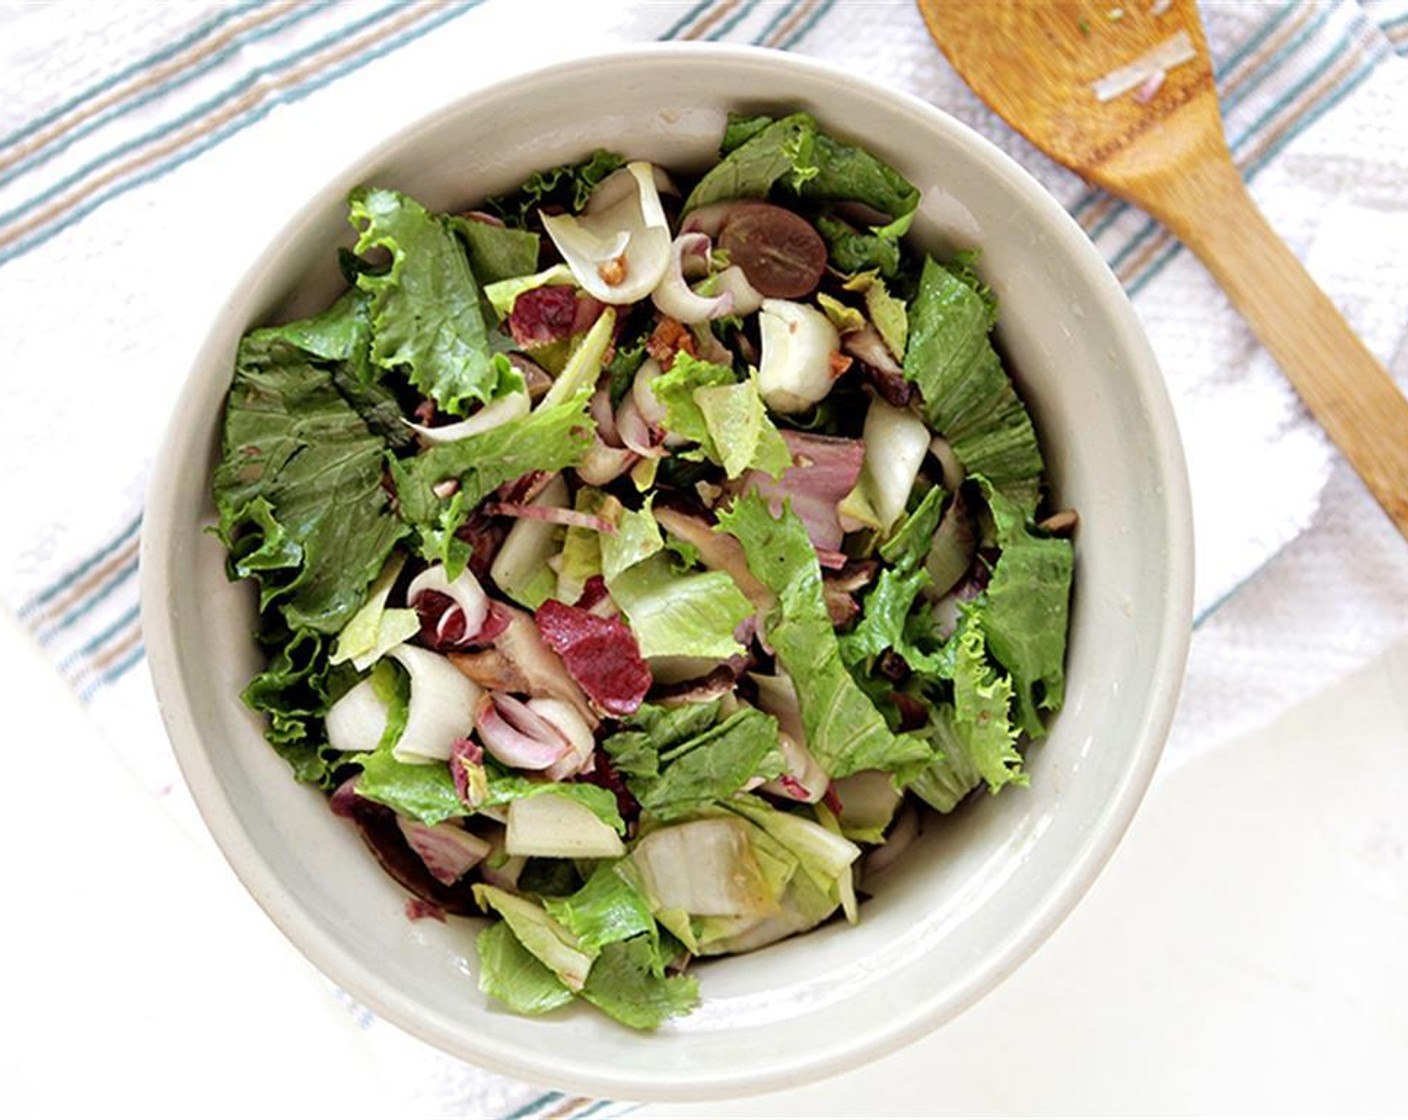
(548, 439)
(741, 436)
(968, 397)
(606, 908)
(628, 982)
(515, 977)
(496, 252)
(675, 389)
(845, 732)
(342, 333)
(651, 730)
(953, 775)
(423, 791)
(538, 932)
(792, 156)
(637, 538)
(712, 766)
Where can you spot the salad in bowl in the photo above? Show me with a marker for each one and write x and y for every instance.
(642, 555)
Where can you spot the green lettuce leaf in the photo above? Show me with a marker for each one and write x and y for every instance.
(628, 983)
(423, 791)
(392, 685)
(547, 439)
(852, 250)
(982, 711)
(675, 391)
(740, 434)
(968, 397)
(740, 129)
(496, 252)
(793, 157)
(637, 538)
(1026, 616)
(651, 730)
(294, 691)
(953, 775)
(515, 977)
(909, 543)
(567, 186)
(298, 488)
(544, 937)
(425, 307)
(894, 611)
(692, 615)
(712, 766)
(884, 620)
(426, 791)
(607, 908)
(844, 730)
(342, 333)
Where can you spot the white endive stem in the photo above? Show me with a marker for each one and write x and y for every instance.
(619, 247)
(506, 408)
(442, 706)
(798, 341)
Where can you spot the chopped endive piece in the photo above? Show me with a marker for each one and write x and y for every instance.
(549, 825)
(619, 247)
(521, 566)
(797, 344)
(442, 706)
(695, 614)
(373, 629)
(704, 868)
(356, 723)
(896, 441)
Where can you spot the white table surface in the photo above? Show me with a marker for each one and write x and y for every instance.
(1243, 953)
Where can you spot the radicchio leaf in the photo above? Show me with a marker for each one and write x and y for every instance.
(600, 653)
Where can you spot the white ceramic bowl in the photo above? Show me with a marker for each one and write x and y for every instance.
(979, 893)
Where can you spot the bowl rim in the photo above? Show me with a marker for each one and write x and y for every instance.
(223, 821)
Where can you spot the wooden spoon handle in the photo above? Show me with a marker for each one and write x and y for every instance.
(1344, 386)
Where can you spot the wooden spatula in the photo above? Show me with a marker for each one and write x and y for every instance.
(1160, 146)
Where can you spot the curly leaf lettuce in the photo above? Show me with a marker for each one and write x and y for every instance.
(844, 730)
(547, 439)
(793, 157)
(566, 187)
(425, 307)
(968, 397)
(1026, 612)
(298, 488)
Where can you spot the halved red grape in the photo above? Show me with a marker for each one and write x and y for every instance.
(780, 252)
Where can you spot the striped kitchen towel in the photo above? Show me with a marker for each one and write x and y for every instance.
(147, 150)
